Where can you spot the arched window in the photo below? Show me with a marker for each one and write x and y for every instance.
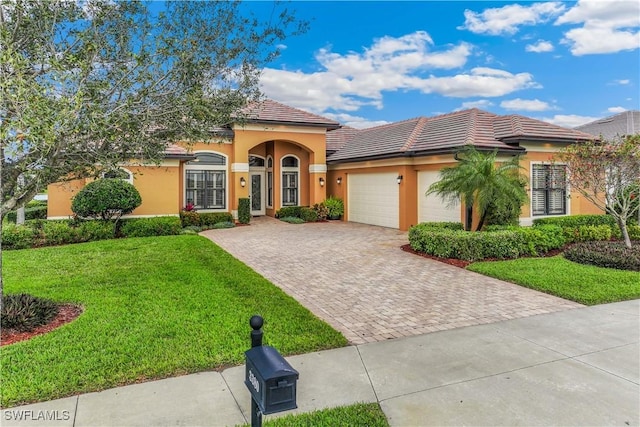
(119, 173)
(290, 180)
(206, 181)
(256, 161)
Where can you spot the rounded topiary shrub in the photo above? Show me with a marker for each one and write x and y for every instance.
(605, 254)
(106, 198)
(24, 312)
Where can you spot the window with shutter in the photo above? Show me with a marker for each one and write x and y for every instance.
(548, 189)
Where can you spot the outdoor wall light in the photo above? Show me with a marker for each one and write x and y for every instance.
(243, 182)
(339, 180)
(399, 179)
(321, 182)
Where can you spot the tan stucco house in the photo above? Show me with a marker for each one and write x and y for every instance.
(283, 156)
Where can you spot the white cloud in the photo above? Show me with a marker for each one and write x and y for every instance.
(347, 82)
(540, 46)
(607, 27)
(525, 105)
(481, 81)
(616, 110)
(569, 121)
(621, 82)
(281, 46)
(355, 121)
(508, 19)
(481, 103)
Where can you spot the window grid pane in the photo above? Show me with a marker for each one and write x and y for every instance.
(206, 189)
(548, 190)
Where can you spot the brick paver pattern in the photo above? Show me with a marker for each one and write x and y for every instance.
(356, 278)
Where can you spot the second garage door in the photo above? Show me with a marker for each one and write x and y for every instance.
(374, 199)
(432, 208)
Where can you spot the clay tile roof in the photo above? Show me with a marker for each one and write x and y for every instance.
(520, 127)
(449, 131)
(384, 140)
(173, 151)
(625, 123)
(269, 111)
(336, 139)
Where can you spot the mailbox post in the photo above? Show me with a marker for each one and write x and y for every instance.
(269, 377)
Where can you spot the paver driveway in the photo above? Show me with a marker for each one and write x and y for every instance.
(357, 279)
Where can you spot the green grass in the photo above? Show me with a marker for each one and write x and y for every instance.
(558, 276)
(153, 308)
(361, 414)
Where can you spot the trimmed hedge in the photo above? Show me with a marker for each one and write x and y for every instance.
(204, 219)
(155, 226)
(244, 211)
(34, 212)
(513, 242)
(606, 254)
(289, 211)
(584, 228)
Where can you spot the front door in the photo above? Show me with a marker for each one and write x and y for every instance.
(256, 190)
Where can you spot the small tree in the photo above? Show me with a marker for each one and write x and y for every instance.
(480, 183)
(607, 174)
(107, 198)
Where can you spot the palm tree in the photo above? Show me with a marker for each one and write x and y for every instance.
(480, 183)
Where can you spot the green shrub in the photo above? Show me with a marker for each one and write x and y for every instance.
(225, 224)
(24, 312)
(190, 218)
(308, 215)
(634, 232)
(512, 242)
(292, 220)
(587, 233)
(191, 229)
(59, 233)
(17, 236)
(147, 227)
(30, 213)
(605, 254)
(244, 211)
(212, 218)
(576, 221)
(106, 198)
(335, 207)
(289, 211)
(442, 225)
(96, 230)
(321, 210)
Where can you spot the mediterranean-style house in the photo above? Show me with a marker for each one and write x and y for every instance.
(283, 156)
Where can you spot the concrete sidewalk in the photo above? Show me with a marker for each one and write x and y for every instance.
(575, 367)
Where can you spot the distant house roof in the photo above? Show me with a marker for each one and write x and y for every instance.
(625, 123)
(174, 151)
(445, 133)
(269, 111)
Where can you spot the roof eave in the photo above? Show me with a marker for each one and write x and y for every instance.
(327, 126)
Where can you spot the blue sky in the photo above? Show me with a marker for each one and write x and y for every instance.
(366, 63)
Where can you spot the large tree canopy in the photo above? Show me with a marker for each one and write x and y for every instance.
(85, 83)
(607, 173)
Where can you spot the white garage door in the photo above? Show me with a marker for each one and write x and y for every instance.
(374, 199)
(431, 208)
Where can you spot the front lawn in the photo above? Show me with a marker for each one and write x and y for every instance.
(558, 276)
(153, 308)
(360, 414)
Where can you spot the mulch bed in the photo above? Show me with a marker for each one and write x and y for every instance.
(463, 264)
(66, 313)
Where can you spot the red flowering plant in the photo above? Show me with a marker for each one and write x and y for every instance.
(189, 207)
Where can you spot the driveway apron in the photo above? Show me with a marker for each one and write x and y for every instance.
(358, 279)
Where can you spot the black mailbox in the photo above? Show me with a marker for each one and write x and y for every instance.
(270, 379)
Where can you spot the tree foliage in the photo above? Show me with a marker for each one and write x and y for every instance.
(107, 198)
(87, 84)
(607, 174)
(97, 82)
(481, 183)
